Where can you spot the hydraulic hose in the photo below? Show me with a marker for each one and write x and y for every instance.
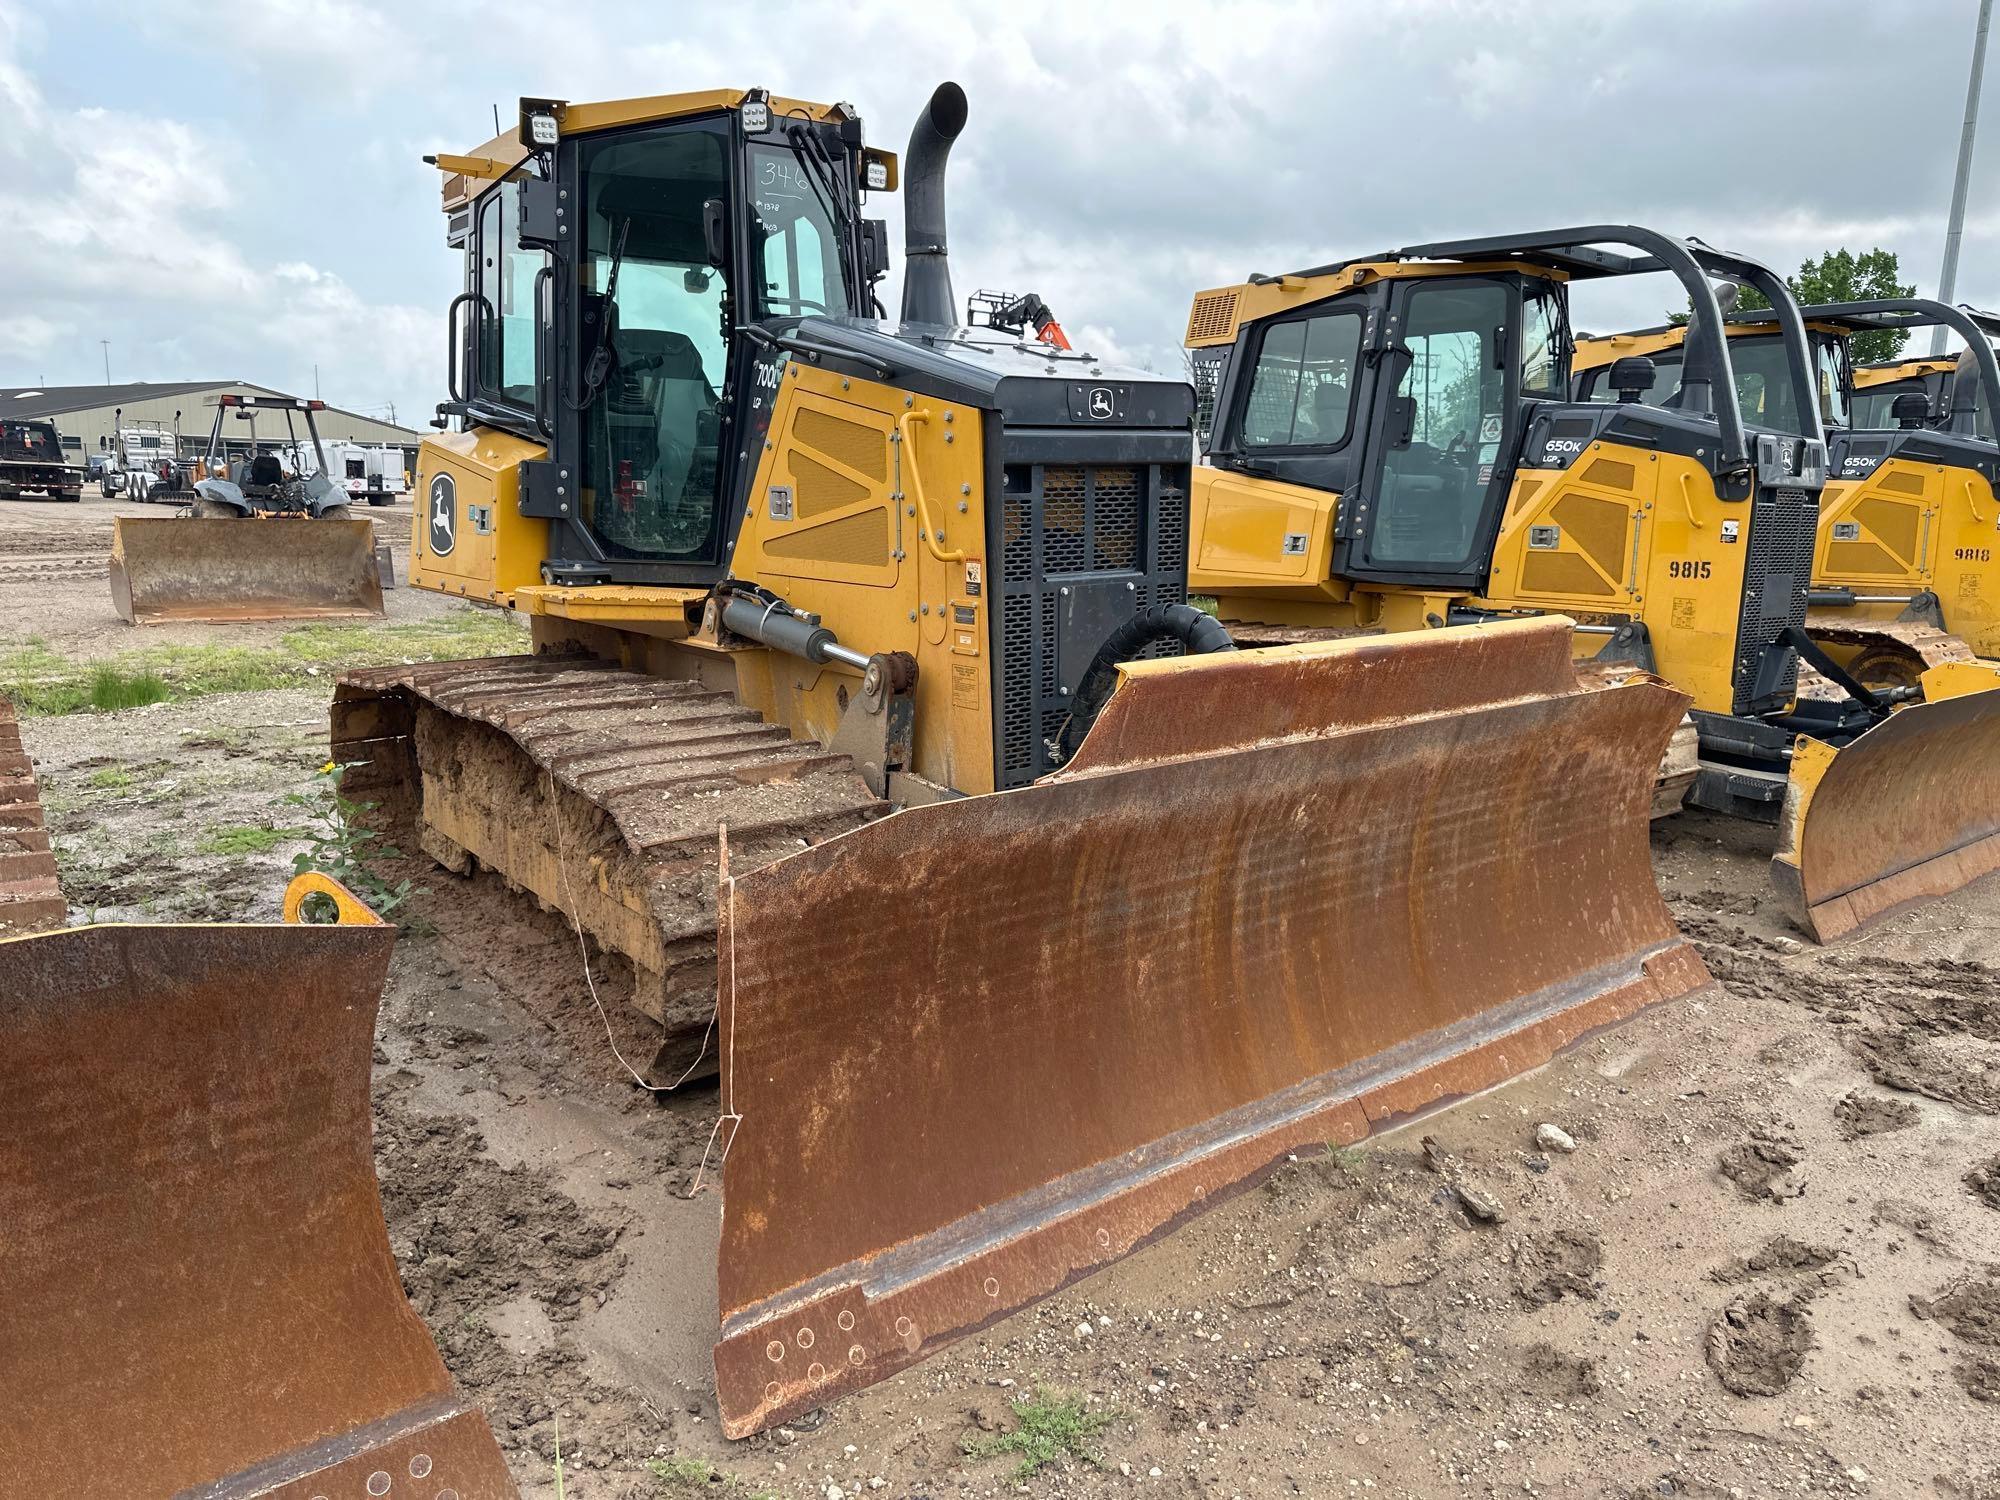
(1200, 633)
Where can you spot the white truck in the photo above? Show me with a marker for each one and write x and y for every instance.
(368, 472)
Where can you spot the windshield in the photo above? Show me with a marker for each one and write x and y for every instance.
(791, 219)
(1872, 406)
(1763, 382)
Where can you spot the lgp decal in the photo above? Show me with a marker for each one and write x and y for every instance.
(444, 515)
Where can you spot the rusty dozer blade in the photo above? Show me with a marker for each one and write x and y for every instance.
(169, 568)
(199, 1293)
(1908, 812)
(975, 1050)
(30, 896)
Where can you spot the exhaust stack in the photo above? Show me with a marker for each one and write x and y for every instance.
(927, 296)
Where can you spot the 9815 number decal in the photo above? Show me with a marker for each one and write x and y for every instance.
(1688, 567)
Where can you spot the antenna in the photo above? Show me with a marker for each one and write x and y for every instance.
(1955, 225)
(496, 103)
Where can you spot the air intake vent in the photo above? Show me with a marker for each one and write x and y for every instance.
(1082, 547)
(1213, 316)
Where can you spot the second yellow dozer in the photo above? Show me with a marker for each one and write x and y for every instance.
(868, 727)
(1904, 608)
(1395, 447)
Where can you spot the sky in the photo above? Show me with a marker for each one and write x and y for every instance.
(238, 192)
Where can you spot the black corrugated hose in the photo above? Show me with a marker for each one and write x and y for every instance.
(1200, 633)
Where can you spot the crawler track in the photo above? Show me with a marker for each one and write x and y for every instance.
(603, 792)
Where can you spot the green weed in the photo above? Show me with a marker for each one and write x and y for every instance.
(246, 838)
(695, 1476)
(341, 846)
(111, 779)
(1051, 1427)
(113, 688)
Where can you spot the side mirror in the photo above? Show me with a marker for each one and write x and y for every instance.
(715, 231)
(1631, 377)
(1910, 409)
(874, 249)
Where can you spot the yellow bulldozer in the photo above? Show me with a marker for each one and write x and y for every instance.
(868, 727)
(1904, 605)
(1395, 447)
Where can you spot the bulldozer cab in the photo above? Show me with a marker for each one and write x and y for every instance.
(626, 266)
(1419, 386)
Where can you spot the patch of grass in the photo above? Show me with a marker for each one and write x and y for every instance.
(695, 1476)
(43, 683)
(111, 779)
(1052, 1427)
(466, 631)
(246, 838)
(113, 688)
(1348, 1159)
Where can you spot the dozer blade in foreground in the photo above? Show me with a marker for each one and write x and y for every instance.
(199, 1294)
(1282, 898)
(1908, 812)
(167, 568)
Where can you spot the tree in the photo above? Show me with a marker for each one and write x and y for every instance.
(1843, 276)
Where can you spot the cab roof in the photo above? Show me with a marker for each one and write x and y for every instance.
(466, 175)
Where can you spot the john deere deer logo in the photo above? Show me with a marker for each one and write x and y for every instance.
(1100, 402)
(444, 515)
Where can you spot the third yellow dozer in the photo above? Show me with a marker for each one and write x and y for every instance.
(1395, 448)
(867, 726)
(1904, 604)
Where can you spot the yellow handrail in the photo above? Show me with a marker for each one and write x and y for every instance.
(916, 488)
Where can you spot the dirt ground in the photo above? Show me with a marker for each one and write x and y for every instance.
(1769, 1266)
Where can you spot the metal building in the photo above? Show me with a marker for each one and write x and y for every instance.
(88, 416)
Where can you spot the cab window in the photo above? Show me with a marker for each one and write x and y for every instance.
(800, 259)
(653, 363)
(507, 312)
(1302, 388)
(1542, 343)
(1445, 425)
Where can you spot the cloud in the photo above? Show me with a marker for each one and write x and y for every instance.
(1120, 156)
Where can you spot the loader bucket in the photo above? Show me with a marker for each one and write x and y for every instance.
(167, 568)
(1908, 812)
(200, 1297)
(977, 1049)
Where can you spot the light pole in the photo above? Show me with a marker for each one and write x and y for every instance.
(1955, 225)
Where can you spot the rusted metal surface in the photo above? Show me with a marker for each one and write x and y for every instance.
(176, 569)
(1908, 812)
(601, 791)
(30, 896)
(200, 1297)
(1892, 652)
(981, 1048)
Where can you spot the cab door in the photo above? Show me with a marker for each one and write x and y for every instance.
(1441, 436)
